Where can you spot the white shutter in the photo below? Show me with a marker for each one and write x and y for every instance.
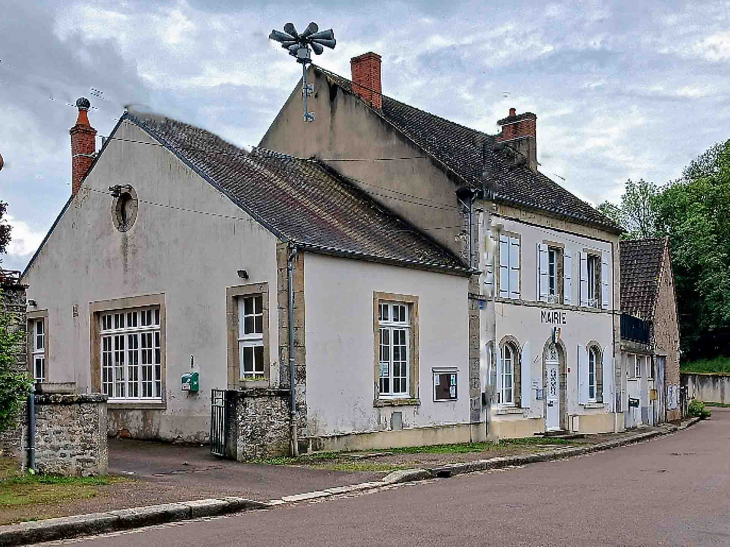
(514, 268)
(497, 398)
(489, 265)
(542, 272)
(608, 375)
(604, 281)
(583, 279)
(526, 376)
(582, 374)
(504, 266)
(567, 280)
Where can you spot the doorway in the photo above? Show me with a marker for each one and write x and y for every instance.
(554, 387)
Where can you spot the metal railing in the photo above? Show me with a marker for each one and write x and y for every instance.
(635, 329)
(218, 422)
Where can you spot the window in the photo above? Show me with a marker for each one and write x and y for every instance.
(553, 254)
(506, 395)
(550, 277)
(251, 336)
(509, 266)
(592, 373)
(445, 385)
(394, 354)
(39, 350)
(640, 359)
(131, 367)
(631, 366)
(593, 281)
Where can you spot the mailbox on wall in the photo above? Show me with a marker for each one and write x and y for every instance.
(633, 403)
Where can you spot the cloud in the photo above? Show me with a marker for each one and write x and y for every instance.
(25, 240)
(616, 87)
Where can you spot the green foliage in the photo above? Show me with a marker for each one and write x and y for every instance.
(716, 365)
(694, 213)
(5, 229)
(697, 409)
(14, 386)
(637, 212)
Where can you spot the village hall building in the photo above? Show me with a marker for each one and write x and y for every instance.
(427, 282)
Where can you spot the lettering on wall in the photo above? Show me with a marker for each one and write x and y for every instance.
(554, 317)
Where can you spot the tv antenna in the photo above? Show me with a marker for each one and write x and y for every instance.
(298, 46)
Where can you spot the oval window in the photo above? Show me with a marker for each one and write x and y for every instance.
(124, 208)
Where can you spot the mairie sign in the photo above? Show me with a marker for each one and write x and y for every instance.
(554, 317)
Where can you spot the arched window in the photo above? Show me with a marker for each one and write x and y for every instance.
(592, 373)
(507, 375)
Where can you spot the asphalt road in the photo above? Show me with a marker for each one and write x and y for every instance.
(674, 490)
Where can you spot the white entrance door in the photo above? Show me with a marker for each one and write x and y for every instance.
(552, 422)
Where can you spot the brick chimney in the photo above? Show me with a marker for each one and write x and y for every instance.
(83, 145)
(520, 131)
(366, 78)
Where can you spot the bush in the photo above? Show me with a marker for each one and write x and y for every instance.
(697, 409)
(14, 386)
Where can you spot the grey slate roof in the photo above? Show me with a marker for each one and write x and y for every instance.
(641, 268)
(299, 200)
(467, 152)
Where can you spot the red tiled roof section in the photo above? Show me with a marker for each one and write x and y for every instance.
(301, 200)
(641, 267)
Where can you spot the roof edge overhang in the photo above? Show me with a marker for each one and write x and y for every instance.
(357, 255)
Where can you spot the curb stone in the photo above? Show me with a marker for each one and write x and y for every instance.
(126, 519)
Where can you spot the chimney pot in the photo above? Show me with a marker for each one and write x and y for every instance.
(83, 145)
(366, 78)
(520, 130)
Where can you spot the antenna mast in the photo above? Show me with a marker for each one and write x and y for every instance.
(298, 46)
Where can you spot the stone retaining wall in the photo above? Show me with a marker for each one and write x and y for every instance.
(708, 388)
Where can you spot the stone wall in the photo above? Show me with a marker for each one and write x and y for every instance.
(71, 434)
(708, 388)
(257, 423)
(12, 301)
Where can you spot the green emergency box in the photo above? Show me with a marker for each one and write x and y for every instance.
(191, 382)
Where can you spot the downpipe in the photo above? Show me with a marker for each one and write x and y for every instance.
(292, 367)
(31, 429)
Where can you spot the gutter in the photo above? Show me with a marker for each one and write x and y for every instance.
(292, 367)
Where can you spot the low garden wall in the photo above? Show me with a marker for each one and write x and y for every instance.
(707, 387)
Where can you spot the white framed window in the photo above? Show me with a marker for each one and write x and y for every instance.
(506, 376)
(640, 360)
(39, 350)
(251, 336)
(631, 366)
(593, 273)
(131, 366)
(592, 368)
(394, 352)
(553, 290)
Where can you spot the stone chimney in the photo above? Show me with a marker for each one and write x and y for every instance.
(366, 82)
(83, 145)
(520, 132)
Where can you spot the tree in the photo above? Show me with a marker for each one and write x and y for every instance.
(637, 212)
(694, 212)
(5, 229)
(14, 385)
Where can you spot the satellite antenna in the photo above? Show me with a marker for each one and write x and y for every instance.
(298, 46)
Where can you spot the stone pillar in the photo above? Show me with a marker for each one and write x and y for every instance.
(262, 418)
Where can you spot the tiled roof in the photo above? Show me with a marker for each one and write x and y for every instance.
(641, 267)
(469, 154)
(300, 200)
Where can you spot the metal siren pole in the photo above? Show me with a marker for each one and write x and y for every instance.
(299, 46)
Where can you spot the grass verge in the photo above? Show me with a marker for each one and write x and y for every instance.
(720, 405)
(718, 365)
(18, 490)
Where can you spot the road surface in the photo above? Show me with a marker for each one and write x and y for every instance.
(674, 490)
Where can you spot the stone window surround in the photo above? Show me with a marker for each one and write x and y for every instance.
(414, 344)
(516, 371)
(31, 317)
(119, 304)
(232, 354)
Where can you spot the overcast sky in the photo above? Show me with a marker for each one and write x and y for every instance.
(624, 89)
